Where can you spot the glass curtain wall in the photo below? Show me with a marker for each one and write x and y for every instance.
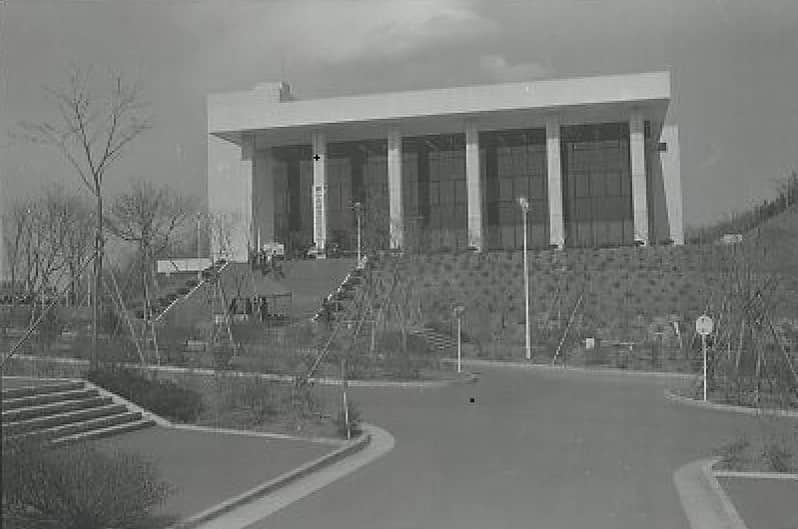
(434, 192)
(293, 181)
(513, 164)
(356, 171)
(597, 185)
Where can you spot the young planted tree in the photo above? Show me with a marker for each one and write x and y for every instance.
(749, 362)
(91, 133)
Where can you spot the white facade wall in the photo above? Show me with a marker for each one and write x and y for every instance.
(241, 185)
(230, 198)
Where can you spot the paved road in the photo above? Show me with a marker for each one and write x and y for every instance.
(545, 450)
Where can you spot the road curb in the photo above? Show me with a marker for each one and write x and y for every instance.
(253, 433)
(755, 475)
(256, 512)
(703, 499)
(472, 362)
(326, 381)
(274, 484)
(729, 408)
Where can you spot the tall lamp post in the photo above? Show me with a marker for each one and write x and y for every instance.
(199, 236)
(458, 314)
(358, 207)
(524, 204)
(199, 244)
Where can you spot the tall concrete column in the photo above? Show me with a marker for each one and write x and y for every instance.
(554, 173)
(637, 150)
(230, 197)
(672, 178)
(319, 154)
(263, 197)
(395, 210)
(473, 186)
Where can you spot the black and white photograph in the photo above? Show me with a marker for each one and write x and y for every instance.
(387, 264)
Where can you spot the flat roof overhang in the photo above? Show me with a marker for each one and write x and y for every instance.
(231, 116)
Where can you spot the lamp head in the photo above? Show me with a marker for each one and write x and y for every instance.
(524, 203)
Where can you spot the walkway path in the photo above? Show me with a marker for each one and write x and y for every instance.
(535, 449)
(209, 467)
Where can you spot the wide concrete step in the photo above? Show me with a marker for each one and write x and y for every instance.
(31, 412)
(74, 428)
(47, 398)
(56, 419)
(26, 391)
(105, 432)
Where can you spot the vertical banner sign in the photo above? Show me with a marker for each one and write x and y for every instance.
(319, 201)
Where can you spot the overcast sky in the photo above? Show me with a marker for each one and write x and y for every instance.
(734, 65)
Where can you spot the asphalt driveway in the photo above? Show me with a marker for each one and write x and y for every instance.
(534, 449)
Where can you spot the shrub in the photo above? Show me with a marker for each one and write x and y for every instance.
(734, 455)
(257, 397)
(77, 487)
(162, 397)
(778, 457)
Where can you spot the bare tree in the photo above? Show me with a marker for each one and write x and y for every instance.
(92, 133)
(222, 228)
(788, 188)
(77, 243)
(39, 234)
(150, 218)
(16, 237)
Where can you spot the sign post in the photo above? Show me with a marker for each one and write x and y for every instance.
(458, 313)
(704, 326)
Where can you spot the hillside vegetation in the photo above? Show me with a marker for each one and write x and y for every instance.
(648, 297)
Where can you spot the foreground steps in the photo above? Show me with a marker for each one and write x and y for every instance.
(65, 412)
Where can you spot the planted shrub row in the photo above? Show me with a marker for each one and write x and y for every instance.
(162, 397)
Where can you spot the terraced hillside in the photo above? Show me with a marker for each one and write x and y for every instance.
(621, 296)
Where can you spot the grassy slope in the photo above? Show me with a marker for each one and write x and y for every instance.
(308, 282)
(628, 293)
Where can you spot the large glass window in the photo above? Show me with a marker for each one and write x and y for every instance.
(597, 185)
(513, 164)
(293, 178)
(434, 191)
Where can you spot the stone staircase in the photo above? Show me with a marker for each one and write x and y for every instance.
(437, 341)
(63, 412)
(337, 302)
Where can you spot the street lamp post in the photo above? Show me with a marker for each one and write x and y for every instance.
(199, 244)
(358, 207)
(524, 203)
(199, 231)
(458, 313)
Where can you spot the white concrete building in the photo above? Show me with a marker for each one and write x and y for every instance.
(445, 167)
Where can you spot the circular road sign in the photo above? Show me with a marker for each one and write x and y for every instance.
(704, 325)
